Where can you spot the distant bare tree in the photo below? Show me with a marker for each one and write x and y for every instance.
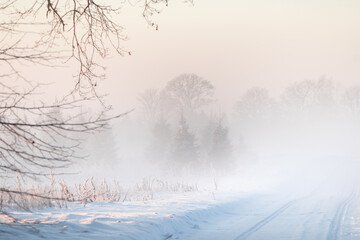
(298, 93)
(190, 91)
(351, 99)
(309, 93)
(254, 103)
(150, 101)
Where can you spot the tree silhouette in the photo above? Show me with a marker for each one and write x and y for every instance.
(190, 92)
(158, 150)
(220, 151)
(184, 151)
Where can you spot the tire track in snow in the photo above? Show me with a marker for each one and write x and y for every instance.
(337, 221)
(265, 221)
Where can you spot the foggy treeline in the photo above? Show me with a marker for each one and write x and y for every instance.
(179, 129)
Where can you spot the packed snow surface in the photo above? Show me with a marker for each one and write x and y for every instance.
(199, 216)
(312, 208)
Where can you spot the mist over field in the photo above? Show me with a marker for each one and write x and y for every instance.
(194, 119)
(303, 134)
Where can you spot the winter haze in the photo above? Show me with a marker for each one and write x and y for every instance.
(277, 46)
(241, 121)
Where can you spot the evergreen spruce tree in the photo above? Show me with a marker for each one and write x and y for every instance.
(220, 152)
(207, 136)
(160, 144)
(184, 152)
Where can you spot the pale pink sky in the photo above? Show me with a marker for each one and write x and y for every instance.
(237, 44)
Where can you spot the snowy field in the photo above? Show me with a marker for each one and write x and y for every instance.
(154, 219)
(326, 208)
(189, 120)
(198, 216)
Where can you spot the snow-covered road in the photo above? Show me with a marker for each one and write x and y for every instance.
(316, 216)
(326, 208)
(327, 215)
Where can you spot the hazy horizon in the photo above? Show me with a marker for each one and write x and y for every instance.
(236, 46)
